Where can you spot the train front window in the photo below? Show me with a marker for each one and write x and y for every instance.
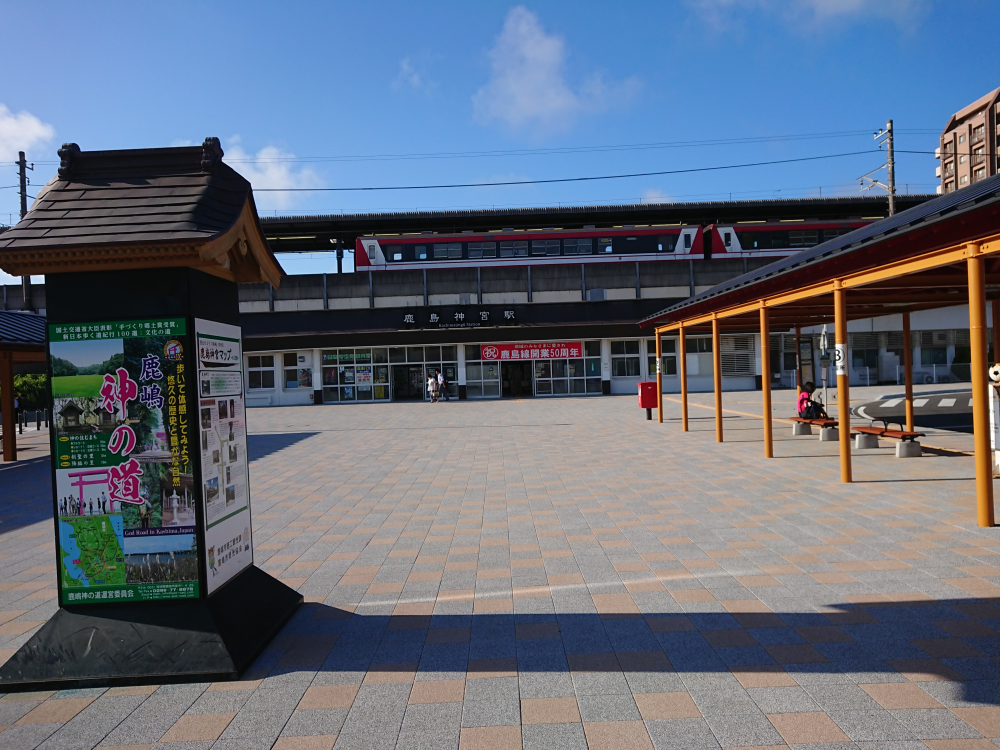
(604, 245)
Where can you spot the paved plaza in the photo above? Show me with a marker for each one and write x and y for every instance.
(564, 574)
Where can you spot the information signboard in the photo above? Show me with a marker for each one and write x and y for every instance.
(223, 439)
(123, 405)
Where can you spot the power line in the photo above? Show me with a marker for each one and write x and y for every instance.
(564, 179)
(565, 150)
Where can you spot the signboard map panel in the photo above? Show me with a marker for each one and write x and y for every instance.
(125, 495)
(224, 468)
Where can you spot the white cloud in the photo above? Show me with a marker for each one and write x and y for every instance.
(655, 196)
(813, 14)
(270, 168)
(21, 132)
(408, 76)
(528, 84)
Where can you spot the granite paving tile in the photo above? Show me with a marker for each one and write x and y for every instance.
(561, 573)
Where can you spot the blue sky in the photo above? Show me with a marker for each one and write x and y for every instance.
(305, 94)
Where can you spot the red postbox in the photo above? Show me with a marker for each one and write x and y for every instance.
(647, 398)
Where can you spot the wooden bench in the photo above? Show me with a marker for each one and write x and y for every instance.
(802, 426)
(901, 435)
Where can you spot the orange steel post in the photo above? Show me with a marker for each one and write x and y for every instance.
(980, 398)
(996, 331)
(659, 378)
(765, 379)
(683, 372)
(843, 385)
(7, 406)
(717, 372)
(908, 370)
(798, 362)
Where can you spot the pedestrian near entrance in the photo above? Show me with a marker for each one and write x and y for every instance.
(432, 388)
(443, 386)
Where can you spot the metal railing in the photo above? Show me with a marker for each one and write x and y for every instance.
(927, 374)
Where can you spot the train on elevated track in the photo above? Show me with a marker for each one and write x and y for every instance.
(592, 246)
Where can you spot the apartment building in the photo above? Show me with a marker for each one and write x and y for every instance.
(969, 147)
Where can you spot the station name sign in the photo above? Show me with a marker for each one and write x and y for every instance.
(459, 316)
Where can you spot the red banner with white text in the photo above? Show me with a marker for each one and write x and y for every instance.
(549, 350)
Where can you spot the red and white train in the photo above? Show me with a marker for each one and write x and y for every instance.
(618, 245)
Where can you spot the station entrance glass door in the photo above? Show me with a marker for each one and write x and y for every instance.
(516, 379)
(408, 383)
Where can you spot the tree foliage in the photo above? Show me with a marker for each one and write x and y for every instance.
(61, 367)
(31, 391)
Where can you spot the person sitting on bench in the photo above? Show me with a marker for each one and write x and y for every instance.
(809, 409)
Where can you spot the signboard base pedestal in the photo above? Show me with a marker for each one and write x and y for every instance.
(206, 640)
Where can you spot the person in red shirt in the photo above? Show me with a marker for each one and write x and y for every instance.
(809, 409)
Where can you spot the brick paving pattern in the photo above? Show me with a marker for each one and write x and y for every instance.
(564, 574)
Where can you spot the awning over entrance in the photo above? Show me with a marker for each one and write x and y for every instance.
(942, 253)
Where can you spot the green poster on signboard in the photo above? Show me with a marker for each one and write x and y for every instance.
(125, 494)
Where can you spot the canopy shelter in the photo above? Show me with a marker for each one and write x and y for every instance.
(942, 253)
(22, 342)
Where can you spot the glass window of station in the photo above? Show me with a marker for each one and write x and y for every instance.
(380, 374)
(535, 376)
(668, 356)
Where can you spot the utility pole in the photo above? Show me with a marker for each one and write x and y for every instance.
(891, 163)
(884, 137)
(340, 258)
(22, 167)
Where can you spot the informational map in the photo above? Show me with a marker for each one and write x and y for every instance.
(92, 550)
(224, 468)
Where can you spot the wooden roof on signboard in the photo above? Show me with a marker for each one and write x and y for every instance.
(142, 208)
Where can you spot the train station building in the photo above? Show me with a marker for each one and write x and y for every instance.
(549, 325)
(545, 302)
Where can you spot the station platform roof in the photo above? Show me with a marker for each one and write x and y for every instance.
(907, 262)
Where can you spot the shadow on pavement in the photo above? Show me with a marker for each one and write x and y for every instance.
(260, 446)
(949, 647)
(25, 493)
